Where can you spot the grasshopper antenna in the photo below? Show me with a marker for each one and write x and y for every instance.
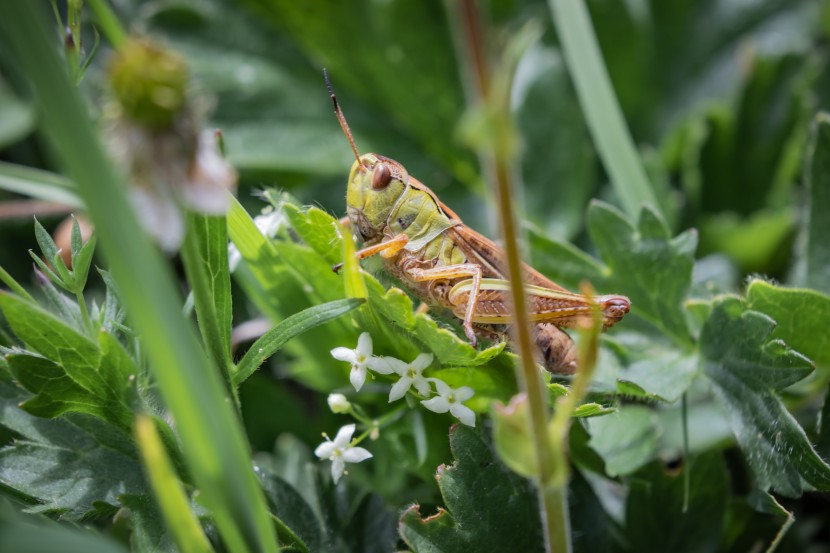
(342, 118)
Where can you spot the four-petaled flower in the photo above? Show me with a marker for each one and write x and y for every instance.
(410, 375)
(451, 399)
(339, 452)
(361, 358)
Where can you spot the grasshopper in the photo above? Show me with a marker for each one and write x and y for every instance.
(427, 247)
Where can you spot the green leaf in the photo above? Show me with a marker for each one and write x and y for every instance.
(147, 529)
(75, 353)
(318, 230)
(489, 508)
(16, 118)
(649, 266)
(205, 256)
(626, 440)
(295, 514)
(557, 187)
(38, 184)
(815, 263)
(748, 369)
(271, 342)
(800, 316)
(27, 539)
(66, 464)
(659, 517)
(46, 243)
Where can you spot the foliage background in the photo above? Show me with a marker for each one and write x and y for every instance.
(720, 97)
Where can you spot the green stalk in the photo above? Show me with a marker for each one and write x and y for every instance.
(491, 91)
(108, 23)
(599, 104)
(212, 438)
(79, 295)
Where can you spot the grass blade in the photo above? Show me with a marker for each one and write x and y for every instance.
(599, 103)
(168, 490)
(271, 342)
(42, 185)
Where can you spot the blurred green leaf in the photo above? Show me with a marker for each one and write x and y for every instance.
(511, 436)
(748, 369)
(489, 508)
(17, 119)
(659, 517)
(814, 267)
(38, 184)
(800, 315)
(626, 440)
(558, 162)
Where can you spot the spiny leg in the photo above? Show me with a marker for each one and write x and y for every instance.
(385, 249)
(456, 271)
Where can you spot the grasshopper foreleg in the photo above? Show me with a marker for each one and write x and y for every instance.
(456, 271)
(385, 249)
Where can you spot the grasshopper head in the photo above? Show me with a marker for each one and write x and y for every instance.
(375, 185)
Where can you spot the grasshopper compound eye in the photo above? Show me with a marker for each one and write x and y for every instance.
(381, 177)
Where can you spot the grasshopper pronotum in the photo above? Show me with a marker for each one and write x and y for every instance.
(424, 244)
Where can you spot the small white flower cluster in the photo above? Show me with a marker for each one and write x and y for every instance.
(447, 399)
(409, 375)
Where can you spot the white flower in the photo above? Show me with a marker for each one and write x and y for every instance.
(410, 375)
(451, 399)
(361, 358)
(339, 452)
(339, 404)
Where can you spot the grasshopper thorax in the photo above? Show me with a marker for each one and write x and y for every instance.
(376, 184)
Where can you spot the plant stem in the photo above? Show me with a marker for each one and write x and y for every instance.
(79, 295)
(108, 23)
(599, 104)
(495, 162)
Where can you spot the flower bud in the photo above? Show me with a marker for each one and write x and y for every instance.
(339, 404)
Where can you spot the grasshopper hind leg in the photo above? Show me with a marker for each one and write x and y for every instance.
(557, 349)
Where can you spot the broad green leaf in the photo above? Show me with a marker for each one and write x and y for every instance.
(271, 342)
(147, 529)
(748, 368)
(626, 440)
(489, 508)
(205, 256)
(666, 375)
(649, 266)
(658, 515)
(511, 436)
(318, 230)
(565, 263)
(66, 464)
(76, 354)
(815, 263)
(801, 316)
(294, 513)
